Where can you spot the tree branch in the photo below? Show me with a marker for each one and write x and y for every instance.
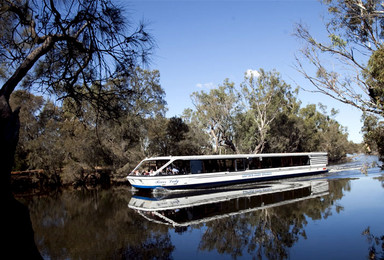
(27, 64)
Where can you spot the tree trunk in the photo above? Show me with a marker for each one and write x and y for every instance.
(216, 147)
(260, 147)
(9, 136)
(10, 85)
(17, 238)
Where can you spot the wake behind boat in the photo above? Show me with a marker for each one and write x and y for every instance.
(185, 172)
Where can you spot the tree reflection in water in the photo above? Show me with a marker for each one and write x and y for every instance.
(97, 224)
(376, 243)
(270, 232)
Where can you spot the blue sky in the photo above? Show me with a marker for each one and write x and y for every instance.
(201, 43)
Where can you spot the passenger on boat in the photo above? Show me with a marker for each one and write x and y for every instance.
(135, 173)
(175, 170)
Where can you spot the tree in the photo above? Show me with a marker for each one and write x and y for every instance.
(270, 119)
(286, 134)
(373, 130)
(69, 49)
(265, 96)
(216, 111)
(355, 31)
(173, 136)
(197, 139)
(31, 107)
(41, 138)
(56, 140)
(66, 48)
(355, 77)
(176, 132)
(123, 139)
(321, 132)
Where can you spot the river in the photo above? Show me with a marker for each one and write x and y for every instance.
(338, 215)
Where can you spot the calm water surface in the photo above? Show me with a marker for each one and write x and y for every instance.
(339, 215)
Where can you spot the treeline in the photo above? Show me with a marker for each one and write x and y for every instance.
(69, 139)
(264, 114)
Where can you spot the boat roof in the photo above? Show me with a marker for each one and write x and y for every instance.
(235, 156)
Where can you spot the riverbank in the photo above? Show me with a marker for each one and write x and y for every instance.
(36, 181)
(40, 180)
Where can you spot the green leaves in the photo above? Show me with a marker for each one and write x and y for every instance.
(216, 111)
(337, 41)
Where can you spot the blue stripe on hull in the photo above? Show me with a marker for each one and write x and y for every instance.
(225, 183)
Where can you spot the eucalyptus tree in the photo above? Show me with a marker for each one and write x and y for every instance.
(216, 112)
(171, 137)
(265, 96)
(321, 132)
(349, 66)
(124, 139)
(373, 130)
(196, 137)
(69, 49)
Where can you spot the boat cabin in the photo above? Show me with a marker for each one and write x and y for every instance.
(224, 163)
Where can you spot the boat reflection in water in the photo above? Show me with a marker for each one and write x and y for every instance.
(193, 207)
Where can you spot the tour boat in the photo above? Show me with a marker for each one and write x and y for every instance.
(202, 171)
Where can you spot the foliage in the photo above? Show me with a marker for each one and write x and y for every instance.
(265, 97)
(70, 50)
(40, 142)
(64, 48)
(373, 130)
(77, 52)
(355, 30)
(54, 138)
(269, 119)
(355, 77)
(216, 112)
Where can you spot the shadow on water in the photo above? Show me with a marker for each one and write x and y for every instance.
(18, 235)
(195, 207)
(273, 220)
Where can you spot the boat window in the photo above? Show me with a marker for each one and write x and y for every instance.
(235, 164)
(210, 166)
(215, 165)
(150, 165)
(294, 161)
(230, 165)
(287, 161)
(277, 162)
(255, 163)
(240, 164)
(225, 165)
(266, 163)
(182, 166)
(301, 160)
(196, 166)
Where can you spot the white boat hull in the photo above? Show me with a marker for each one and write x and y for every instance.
(204, 180)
